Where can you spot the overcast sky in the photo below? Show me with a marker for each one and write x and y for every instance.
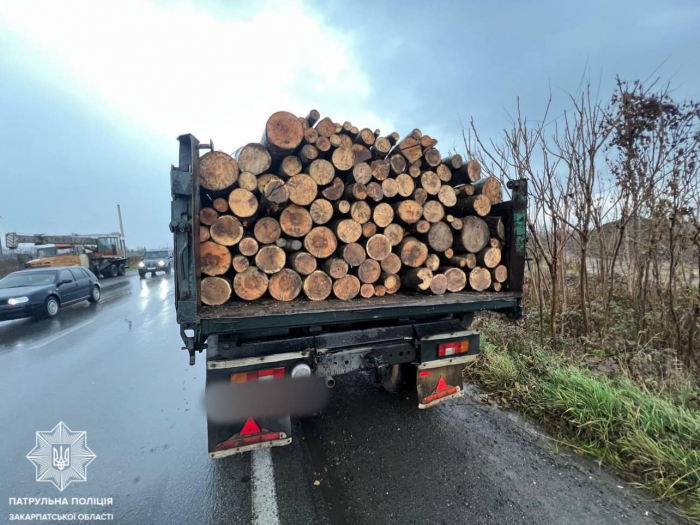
(94, 94)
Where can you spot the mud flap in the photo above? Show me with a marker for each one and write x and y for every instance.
(436, 384)
(249, 435)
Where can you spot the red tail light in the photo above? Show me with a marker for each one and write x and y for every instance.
(258, 375)
(453, 348)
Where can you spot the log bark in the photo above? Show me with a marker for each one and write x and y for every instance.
(227, 230)
(355, 192)
(247, 181)
(208, 216)
(431, 158)
(367, 290)
(369, 229)
(420, 196)
(432, 263)
(285, 285)
(325, 127)
(374, 191)
(412, 252)
(343, 159)
(295, 221)
(302, 189)
(220, 205)
(391, 282)
(346, 288)
(440, 237)
(217, 171)
(289, 245)
(469, 172)
(347, 230)
(360, 211)
(390, 188)
(378, 247)
(204, 234)
(240, 263)
(250, 284)
(271, 259)
(341, 207)
(248, 246)
(405, 184)
(454, 162)
(267, 230)
(395, 233)
(320, 242)
(466, 190)
(409, 211)
(321, 211)
(447, 196)
(365, 137)
(362, 173)
(456, 260)
(490, 187)
(254, 158)
(335, 267)
(456, 279)
(283, 134)
(381, 148)
(391, 264)
(443, 172)
(317, 286)
(369, 271)
(479, 204)
(496, 227)
(393, 138)
(215, 290)
(479, 279)
(214, 259)
(430, 182)
(380, 169)
(489, 257)
(353, 254)
(335, 190)
(474, 235)
(243, 203)
(308, 154)
(361, 153)
(417, 279)
(433, 211)
(303, 263)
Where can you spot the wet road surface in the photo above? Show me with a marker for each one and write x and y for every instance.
(116, 370)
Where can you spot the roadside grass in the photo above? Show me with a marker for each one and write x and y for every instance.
(651, 438)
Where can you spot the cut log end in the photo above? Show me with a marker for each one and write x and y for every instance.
(346, 288)
(215, 291)
(285, 285)
(318, 286)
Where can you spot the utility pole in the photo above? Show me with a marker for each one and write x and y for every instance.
(0, 243)
(121, 228)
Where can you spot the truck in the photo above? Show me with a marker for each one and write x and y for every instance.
(404, 338)
(103, 254)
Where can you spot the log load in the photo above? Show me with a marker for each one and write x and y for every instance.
(318, 209)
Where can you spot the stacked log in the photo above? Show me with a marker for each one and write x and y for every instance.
(320, 210)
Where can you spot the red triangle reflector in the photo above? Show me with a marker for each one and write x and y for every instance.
(250, 427)
(441, 385)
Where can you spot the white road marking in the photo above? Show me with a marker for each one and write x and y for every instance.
(264, 495)
(48, 340)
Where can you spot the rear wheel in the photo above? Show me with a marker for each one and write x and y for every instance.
(398, 377)
(51, 307)
(110, 271)
(95, 294)
(142, 275)
(121, 270)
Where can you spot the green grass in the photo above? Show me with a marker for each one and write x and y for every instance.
(651, 439)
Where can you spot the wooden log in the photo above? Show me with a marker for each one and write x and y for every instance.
(360, 153)
(302, 189)
(208, 216)
(395, 233)
(391, 263)
(321, 211)
(313, 117)
(308, 154)
(204, 234)
(346, 141)
(455, 223)
(427, 142)
(432, 263)
(440, 237)
(369, 271)
(453, 162)
(444, 173)
(362, 173)
(214, 259)
(360, 211)
(248, 246)
(417, 278)
(377, 132)
(374, 191)
(438, 286)
(270, 259)
(391, 282)
(320, 242)
(379, 290)
(474, 235)
(323, 145)
(341, 207)
(449, 252)
(405, 185)
(408, 211)
(456, 279)
(220, 205)
(347, 230)
(500, 273)
(430, 182)
(390, 188)
(380, 169)
(433, 211)
(466, 190)
(215, 290)
(490, 187)
(243, 203)
(456, 260)
(335, 190)
(420, 196)
(479, 279)
(343, 159)
(398, 164)
(240, 263)
(247, 181)
(354, 254)
(254, 158)
(217, 171)
(412, 252)
(422, 226)
(383, 215)
(367, 290)
(365, 137)
(414, 170)
(303, 263)
(431, 158)
(346, 129)
(478, 204)
(355, 192)
(346, 288)
(381, 148)
(295, 221)
(335, 141)
(393, 138)
(378, 247)
(325, 127)
(289, 245)
(251, 284)
(489, 257)
(469, 172)
(447, 196)
(410, 148)
(227, 230)
(264, 179)
(285, 285)
(310, 136)
(274, 195)
(471, 260)
(496, 286)
(317, 286)
(267, 230)
(496, 227)
(283, 134)
(335, 267)
(304, 123)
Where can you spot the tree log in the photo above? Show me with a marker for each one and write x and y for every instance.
(412, 252)
(496, 227)
(422, 226)
(416, 279)
(405, 184)
(420, 196)
(335, 190)
(361, 153)
(320, 242)
(208, 216)
(382, 215)
(325, 127)
(360, 211)
(500, 273)
(391, 264)
(380, 169)
(381, 148)
(323, 145)
(321, 171)
(227, 230)
(214, 259)
(217, 171)
(321, 211)
(243, 203)
(343, 159)
(240, 263)
(374, 191)
(438, 286)
(365, 137)
(398, 164)
(466, 190)
(380, 290)
(431, 158)
(443, 173)
(433, 211)
(264, 179)
(474, 235)
(308, 154)
(449, 252)
(391, 282)
(310, 136)
(354, 254)
(285, 285)
(369, 271)
(427, 142)
(362, 173)
(393, 138)
(456, 279)
(479, 279)
(335, 141)
(355, 192)
(215, 290)
(296, 221)
(454, 162)
(317, 286)
(469, 172)
(283, 134)
(346, 141)
(430, 182)
(303, 263)
(271, 259)
(289, 245)
(220, 205)
(447, 196)
(478, 204)
(408, 211)
(490, 187)
(414, 170)
(395, 233)
(346, 288)
(378, 247)
(341, 207)
(251, 284)
(248, 246)
(204, 234)
(313, 117)
(367, 290)
(302, 189)
(347, 230)
(247, 181)
(459, 260)
(410, 148)
(369, 229)
(432, 263)
(267, 230)
(456, 223)
(274, 195)
(489, 257)
(335, 267)
(440, 237)
(254, 158)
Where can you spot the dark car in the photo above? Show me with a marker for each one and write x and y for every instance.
(41, 292)
(155, 261)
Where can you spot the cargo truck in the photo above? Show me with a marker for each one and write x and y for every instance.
(402, 338)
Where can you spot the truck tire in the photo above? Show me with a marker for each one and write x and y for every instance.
(121, 270)
(110, 271)
(398, 377)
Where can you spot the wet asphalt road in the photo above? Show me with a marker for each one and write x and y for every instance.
(116, 371)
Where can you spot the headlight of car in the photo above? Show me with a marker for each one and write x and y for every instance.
(161, 263)
(141, 265)
(17, 300)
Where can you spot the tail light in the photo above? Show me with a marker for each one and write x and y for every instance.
(269, 374)
(453, 348)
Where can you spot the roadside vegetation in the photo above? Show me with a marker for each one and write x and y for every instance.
(607, 356)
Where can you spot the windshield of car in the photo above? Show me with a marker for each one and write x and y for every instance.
(19, 280)
(156, 255)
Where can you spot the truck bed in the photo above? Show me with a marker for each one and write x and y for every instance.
(268, 313)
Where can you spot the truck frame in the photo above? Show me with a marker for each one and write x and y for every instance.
(397, 337)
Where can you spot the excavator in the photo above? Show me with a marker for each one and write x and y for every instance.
(103, 254)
